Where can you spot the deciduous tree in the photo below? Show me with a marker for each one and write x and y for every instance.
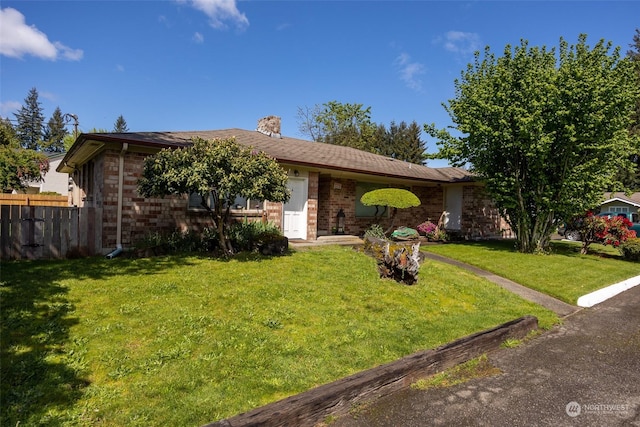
(545, 129)
(218, 171)
(18, 166)
(349, 125)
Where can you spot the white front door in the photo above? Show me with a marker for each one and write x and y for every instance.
(295, 210)
(453, 206)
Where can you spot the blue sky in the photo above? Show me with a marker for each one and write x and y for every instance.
(215, 64)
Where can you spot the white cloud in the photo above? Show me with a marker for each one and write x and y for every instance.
(410, 71)
(48, 96)
(120, 68)
(461, 42)
(8, 107)
(219, 11)
(18, 39)
(198, 38)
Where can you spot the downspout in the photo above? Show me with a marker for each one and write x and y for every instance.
(118, 250)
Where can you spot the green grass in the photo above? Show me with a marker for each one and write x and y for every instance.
(187, 340)
(564, 274)
(478, 367)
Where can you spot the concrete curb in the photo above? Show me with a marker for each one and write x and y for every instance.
(604, 294)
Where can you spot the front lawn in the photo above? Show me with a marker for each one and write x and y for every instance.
(564, 274)
(186, 340)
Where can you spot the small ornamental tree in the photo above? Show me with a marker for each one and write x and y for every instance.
(596, 229)
(395, 198)
(218, 171)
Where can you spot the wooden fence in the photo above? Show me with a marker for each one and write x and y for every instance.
(46, 232)
(33, 200)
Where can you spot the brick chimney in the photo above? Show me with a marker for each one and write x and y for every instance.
(270, 126)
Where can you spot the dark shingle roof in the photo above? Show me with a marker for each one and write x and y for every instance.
(298, 151)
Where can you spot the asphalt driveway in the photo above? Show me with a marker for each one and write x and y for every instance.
(585, 372)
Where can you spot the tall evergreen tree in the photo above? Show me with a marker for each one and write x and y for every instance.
(120, 125)
(400, 141)
(406, 142)
(382, 141)
(55, 132)
(30, 122)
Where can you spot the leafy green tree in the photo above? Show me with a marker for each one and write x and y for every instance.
(120, 126)
(218, 171)
(630, 176)
(395, 198)
(349, 125)
(545, 132)
(18, 166)
(68, 141)
(54, 133)
(30, 122)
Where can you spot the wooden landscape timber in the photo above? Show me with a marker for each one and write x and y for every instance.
(339, 397)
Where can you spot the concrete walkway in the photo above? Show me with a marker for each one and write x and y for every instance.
(561, 308)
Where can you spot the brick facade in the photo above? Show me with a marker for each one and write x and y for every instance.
(326, 196)
(480, 218)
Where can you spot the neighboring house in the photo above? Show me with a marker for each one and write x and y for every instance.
(324, 179)
(621, 203)
(53, 181)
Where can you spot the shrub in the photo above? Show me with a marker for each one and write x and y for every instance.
(608, 231)
(427, 228)
(432, 232)
(375, 231)
(247, 236)
(174, 242)
(631, 249)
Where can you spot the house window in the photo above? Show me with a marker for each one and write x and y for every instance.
(240, 203)
(363, 211)
(247, 204)
(194, 202)
(619, 209)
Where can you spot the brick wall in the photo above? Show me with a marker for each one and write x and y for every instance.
(336, 194)
(312, 205)
(140, 216)
(480, 219)
(326, 196)
(323, 217)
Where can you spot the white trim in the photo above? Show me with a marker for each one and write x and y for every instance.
(601, 295)
(617, 199)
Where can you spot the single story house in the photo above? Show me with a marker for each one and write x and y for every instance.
(324, 179)
(621, 203)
